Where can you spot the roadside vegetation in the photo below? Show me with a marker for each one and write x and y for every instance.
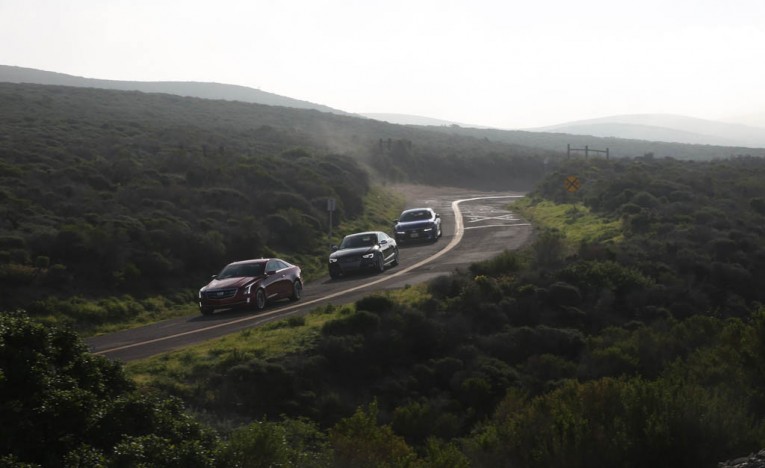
(115, 207)
(544, 355)
(630, 333)
(643, 351)
(574, 221)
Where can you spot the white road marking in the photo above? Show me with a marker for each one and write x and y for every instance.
(478, 219)
(497, 225)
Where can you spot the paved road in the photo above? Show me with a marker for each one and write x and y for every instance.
(476, 226)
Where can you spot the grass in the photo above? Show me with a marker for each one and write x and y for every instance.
(179, 370)
(575, 221)
(409, 294)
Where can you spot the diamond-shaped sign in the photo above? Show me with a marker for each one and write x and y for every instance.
(572, 184)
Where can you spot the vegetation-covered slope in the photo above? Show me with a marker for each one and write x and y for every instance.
(104, 193)
(98, 195)
(640, 344)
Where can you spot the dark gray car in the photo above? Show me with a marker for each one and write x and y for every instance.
(417, 224)
(363, 251)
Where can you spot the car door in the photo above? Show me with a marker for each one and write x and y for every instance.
(386, 246)
(276, 283)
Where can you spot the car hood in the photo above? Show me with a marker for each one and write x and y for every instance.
(236, 282)
(356, 251)
(414, 224)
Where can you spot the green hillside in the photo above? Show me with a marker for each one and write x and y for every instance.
(631, 333)
(129, 195)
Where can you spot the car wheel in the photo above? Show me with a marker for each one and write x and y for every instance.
(297, 290)
(395, 258)
(260, 299)
(380, 263)
(333, 274)
(206, 310)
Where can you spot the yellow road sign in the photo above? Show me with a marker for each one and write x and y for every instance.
(572, 184)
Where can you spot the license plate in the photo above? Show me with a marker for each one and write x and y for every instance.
(414, 234)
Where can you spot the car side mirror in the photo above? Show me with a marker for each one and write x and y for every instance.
(272, 272)
(334, 247)
(438, 215)
(383, 242)
(213, 276)
(395, 221)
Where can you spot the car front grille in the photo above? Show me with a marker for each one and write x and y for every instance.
(218, 294)
(420, 232)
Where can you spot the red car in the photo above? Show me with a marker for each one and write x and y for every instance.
(251, 284)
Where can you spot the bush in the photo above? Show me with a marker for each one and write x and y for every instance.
(564, 294)
(612, 422)
(359, 441)
(82, 407)
(375, 303)
(503, 264)
(361, 322)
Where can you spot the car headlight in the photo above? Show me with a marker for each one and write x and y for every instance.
(369, 255)
(332, 260)
(400, 233)
(248, 289)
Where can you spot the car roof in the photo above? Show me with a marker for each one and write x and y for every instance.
(416, 209)
(254, 260)
(364, 233)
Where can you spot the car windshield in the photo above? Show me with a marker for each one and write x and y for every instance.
(363, 240)
(241, 270)
(415, 215)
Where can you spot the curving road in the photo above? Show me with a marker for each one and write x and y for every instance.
(476, 226)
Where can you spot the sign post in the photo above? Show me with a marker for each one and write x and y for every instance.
(330, 209)
(572, 184)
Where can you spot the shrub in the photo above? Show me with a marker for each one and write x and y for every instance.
(361, 322)
(287, 443)
(359, 441)
(42, 261)
(564, 294)
(375, 303)
(617, 422)
(505, 263)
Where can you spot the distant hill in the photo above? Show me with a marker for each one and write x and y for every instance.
(666, 128)
(11, 74)
(756, 119)
(648, 128)
(406, 119)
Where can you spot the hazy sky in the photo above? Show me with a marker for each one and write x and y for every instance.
(507, 64)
